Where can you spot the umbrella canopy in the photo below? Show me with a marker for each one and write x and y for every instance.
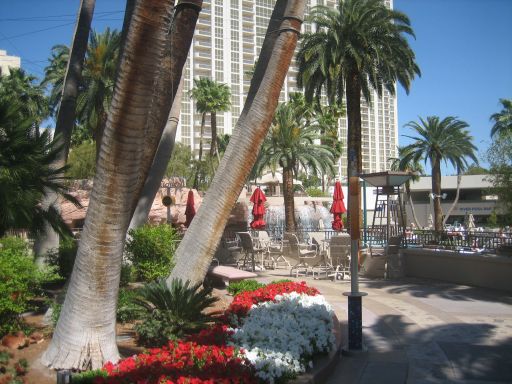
(338, 207)
(190, 210)
(258, 209)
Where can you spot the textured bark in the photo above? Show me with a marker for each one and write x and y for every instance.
(213, 122)
(436, 189)
(84, 337)
(157, 171)
(48, 239)
(201, 135)
(289, 202)
(456, 201)
(198, 246)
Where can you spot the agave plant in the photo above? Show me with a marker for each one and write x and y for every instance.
(171, 312)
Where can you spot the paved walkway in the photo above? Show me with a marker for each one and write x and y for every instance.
(421, 331)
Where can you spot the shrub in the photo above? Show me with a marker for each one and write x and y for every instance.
(88, 377)
(127, 275)
(82, 161)
(316, 192)
(171, 312)
(64, 257)
(244, 285)
(20, 280)
(127, 310)
(151, 250)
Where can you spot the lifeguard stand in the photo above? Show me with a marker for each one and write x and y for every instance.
(388, 216)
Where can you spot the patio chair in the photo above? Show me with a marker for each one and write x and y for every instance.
(251, 250)
(306, 254)
(272, 250)
(339, 256)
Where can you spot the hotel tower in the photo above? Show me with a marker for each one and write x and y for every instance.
(226, 44)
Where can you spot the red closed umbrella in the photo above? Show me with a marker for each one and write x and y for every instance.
(258, 209)
(338, 207)
(190, 210)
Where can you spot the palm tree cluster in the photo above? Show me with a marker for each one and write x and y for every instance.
(294, 143)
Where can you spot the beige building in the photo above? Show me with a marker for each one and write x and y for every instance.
(474, 198)
(226, 44)
(7, 62)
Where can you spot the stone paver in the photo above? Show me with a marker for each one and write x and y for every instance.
(422, 332)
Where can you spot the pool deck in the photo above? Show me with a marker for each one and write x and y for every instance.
(420, 331)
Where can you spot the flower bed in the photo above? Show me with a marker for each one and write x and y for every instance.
(268, 335)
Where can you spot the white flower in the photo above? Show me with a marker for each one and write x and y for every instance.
(281, 336)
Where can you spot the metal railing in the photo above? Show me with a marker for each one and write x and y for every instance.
(488, 241)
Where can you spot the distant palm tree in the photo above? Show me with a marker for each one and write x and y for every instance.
(290, 145)
(503, 119)
(358, 46)
(401, 163)
(29, 96)
(98, 82)
(54, 75)
(439, 140)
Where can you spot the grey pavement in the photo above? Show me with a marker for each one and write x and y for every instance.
(422, 331)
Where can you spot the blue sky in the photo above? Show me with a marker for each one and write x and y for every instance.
(464, 49)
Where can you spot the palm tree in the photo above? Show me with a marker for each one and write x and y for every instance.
(503, 119)
(85, 333)
(197, 248)
(26, 163)
(32, 101)
(211, 97)
(291, 145)
(399, 164)
(98, 82)
(54, 74)
(66, 114)
(358, 46)
(439, 140)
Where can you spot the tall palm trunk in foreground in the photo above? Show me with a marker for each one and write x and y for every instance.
(85, 333)
(457, 195)
(197, 248)
(49, 239)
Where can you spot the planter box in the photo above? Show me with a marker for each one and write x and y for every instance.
(488, 271)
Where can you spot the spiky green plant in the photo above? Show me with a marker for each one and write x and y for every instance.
(173, 311)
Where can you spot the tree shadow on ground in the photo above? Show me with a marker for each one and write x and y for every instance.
(425, 288)
(440, 353)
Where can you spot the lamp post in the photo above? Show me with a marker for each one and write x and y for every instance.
(355, 318)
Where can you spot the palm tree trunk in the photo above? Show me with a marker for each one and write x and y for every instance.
(197, 248)
(201, 134)
(213, 120)
(354, 166)
(455, 202)
(84, 337)
(157, 172)
(48, 239)
(436, 189)
(289, 203)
